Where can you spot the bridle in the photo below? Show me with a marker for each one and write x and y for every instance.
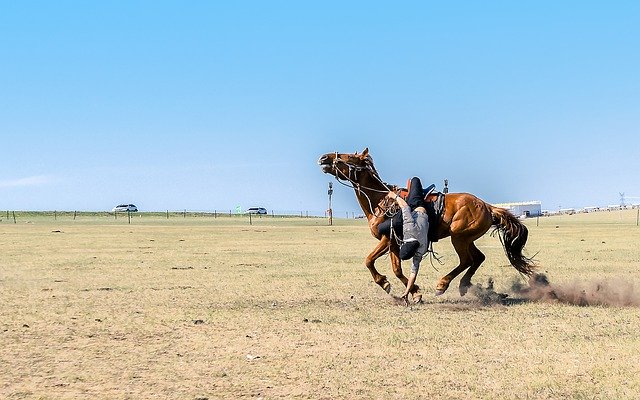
(386, 208)
(353, 183)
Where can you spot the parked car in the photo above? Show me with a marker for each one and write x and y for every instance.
(125, 208)
(256, 210)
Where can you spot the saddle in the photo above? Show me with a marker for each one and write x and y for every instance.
(434, 202)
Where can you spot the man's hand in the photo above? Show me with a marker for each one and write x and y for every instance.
(397, 198)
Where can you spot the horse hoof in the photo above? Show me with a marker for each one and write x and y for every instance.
(440, 289)
(417, 298)
(387, 287)
(463, 290)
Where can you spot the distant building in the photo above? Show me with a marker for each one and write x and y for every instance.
(523, 209)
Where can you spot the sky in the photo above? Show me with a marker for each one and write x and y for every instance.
(206, 105)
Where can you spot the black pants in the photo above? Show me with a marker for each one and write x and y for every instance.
(416, 194)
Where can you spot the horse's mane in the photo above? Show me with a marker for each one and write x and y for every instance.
(369, 162)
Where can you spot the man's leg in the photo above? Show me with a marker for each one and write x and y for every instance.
(415, 197)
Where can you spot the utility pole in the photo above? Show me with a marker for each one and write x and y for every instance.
(330, 211)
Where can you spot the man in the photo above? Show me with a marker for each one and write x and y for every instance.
(415, 226)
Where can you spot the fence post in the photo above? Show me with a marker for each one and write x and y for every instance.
(55, 215)
(129, 215)
(250, 223)
(167, 214)
(14, 217)
(74, 215)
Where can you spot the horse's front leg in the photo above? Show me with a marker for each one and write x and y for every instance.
(379, 250)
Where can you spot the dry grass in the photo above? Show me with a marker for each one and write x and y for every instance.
(200, 308)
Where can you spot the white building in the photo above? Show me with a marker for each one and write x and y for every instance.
(523, 209)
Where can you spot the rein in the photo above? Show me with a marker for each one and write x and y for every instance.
(353, 184)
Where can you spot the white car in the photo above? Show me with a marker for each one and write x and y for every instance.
(125, 208)
(256, 210)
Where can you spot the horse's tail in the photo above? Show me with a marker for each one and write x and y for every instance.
(513, 235)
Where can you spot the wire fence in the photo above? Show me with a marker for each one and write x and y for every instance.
(10, 216)
(15, 217)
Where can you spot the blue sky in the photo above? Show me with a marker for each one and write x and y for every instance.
(210, 105)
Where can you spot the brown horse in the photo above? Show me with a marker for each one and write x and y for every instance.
(465, 218)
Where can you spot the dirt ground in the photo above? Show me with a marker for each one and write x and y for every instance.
(198, 308)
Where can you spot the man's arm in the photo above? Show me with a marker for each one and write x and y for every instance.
(412, 280)
(414, 274)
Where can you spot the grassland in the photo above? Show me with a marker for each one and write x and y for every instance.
(208, 308)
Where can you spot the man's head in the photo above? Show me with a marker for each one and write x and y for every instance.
(408, 249)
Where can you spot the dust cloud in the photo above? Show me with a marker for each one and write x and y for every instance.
(616, 292)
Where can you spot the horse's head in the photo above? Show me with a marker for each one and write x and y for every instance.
(346, 166)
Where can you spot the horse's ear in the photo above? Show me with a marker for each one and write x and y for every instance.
(365, 152)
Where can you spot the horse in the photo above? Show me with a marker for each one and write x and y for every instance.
(465, 219)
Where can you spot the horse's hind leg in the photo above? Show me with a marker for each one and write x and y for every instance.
(461, 246)
(478, 258)
(379, 250)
